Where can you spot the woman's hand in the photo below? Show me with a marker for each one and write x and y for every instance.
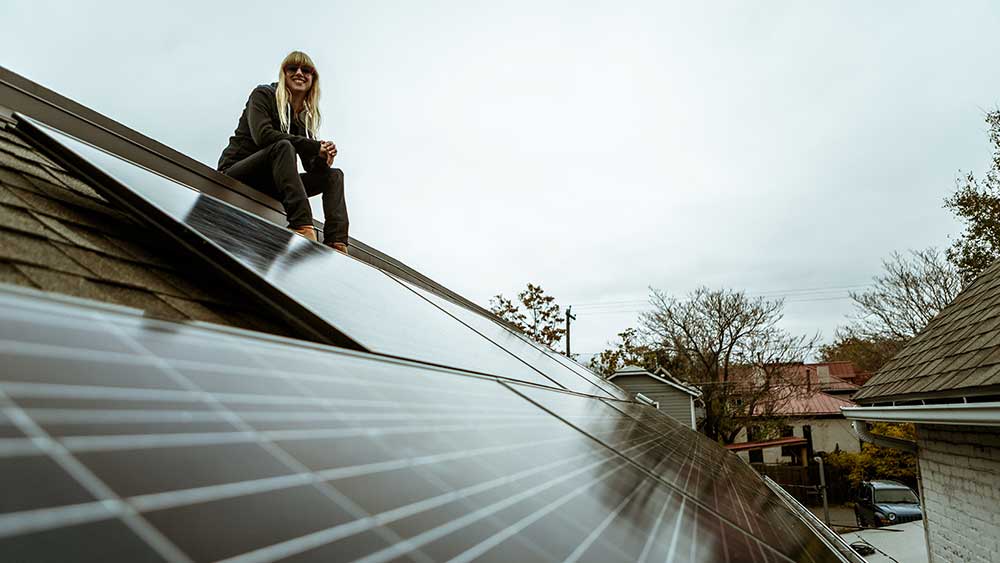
(328, 150)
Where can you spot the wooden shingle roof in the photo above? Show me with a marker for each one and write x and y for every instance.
(956, 355)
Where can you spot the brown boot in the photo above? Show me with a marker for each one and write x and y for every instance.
(307, 231)
(340, 247)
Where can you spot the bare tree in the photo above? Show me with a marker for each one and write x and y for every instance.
(910, 292)
(730, 347)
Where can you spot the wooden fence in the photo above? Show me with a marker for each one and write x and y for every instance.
(803, 482)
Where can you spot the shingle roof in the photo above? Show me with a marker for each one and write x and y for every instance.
(58, 235)
(957, 354)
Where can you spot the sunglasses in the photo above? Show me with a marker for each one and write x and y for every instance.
(306, 69)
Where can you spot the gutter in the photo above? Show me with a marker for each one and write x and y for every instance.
(960, 414)
(860, 428)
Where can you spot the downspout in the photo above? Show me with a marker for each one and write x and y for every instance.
(647, 401)
(860, 428)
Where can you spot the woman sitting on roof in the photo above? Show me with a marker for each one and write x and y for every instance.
(281, 121)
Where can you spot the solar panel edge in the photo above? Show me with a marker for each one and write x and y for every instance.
(597, 381)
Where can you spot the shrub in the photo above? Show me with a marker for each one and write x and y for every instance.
(876, 462)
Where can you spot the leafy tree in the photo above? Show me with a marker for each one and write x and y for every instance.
(976, 202)
(630, 350)
(535, 314)
(867, 354)
(910, 292)
(730, 347)
(876, 462)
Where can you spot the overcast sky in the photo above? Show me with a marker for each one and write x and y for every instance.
(595, 148)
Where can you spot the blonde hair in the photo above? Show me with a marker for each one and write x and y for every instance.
(312, 117)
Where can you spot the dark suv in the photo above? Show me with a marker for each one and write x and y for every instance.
(880, 503)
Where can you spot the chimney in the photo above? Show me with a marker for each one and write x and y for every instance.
(823, 373)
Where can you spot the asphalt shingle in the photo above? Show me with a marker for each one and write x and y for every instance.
(34, 250)
(59, 235)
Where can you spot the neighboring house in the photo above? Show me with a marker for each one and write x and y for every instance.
(673, 396)
(184, 379)
(834, 378)
(946, 381)
(811, 411)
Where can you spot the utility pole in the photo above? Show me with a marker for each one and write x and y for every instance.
(569, 316)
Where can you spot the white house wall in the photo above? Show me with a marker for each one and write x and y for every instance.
(960, 483)
(827, 435)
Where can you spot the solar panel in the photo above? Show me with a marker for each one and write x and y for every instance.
(363, 304)
(126, 448)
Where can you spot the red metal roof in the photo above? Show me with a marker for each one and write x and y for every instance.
(816, 403)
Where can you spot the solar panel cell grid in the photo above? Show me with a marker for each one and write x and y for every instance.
(693, 465)
(354, 458)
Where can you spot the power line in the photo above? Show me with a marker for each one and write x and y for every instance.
(795, 295)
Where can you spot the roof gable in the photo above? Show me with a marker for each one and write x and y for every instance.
(661, 376)
(956, 355)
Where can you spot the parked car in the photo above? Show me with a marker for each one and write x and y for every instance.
(881, 503)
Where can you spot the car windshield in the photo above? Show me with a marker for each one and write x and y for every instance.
(895, 496)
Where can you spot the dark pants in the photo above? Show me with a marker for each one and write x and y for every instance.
(273, 170)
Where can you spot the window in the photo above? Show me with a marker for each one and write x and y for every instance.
(895, 496)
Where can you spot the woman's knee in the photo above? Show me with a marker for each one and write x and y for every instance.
(336, 179)
(282, 149)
